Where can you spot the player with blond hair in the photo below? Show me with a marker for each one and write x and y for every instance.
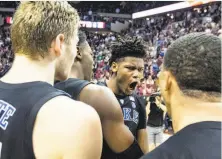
(37, 120)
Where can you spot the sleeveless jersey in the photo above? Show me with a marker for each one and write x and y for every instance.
(74, 87)
(134, 112)
(19, 106)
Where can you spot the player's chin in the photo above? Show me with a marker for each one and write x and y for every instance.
(129, 91)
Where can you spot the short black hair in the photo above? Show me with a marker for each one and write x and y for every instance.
(195, 61)
(128, 47)
(82, 38)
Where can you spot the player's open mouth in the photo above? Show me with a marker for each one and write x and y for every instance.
(133, 85)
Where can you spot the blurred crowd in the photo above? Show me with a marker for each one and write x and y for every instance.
(100, 44)
(6, 54)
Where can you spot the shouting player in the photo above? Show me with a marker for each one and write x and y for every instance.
(127, 67)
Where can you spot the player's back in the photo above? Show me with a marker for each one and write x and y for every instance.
(196, 141)
(19, 106)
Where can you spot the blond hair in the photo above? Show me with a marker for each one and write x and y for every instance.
(36, 24)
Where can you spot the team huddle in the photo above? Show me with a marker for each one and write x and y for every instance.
(50, 109)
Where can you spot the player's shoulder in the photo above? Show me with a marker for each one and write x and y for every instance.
(62, 120)
(103, 99)
(100, 93)
(97, 88)
(71, 82)
(167, 150)
(172, 148)
(140, 101)
(67, 110)
(139, 97)
(158, 153)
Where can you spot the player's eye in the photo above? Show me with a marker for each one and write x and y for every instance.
(141, 69)
(131, 68)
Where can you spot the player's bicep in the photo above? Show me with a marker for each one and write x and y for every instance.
(116, 133)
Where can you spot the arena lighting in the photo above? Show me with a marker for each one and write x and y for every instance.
(169, 8)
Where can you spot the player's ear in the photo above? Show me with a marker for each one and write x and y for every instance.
(79, 54)
(57, 45)
(114, 67)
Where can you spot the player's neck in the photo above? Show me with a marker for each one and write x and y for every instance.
(25, 70)
(111, 83)
(76, 73)
(191, 111)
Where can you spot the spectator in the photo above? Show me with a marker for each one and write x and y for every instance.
(155, 121)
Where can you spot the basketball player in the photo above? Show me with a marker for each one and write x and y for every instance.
(127, 65)
(37, 120)
(119, 141)
(190, 83)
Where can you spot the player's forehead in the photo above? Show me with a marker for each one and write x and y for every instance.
(132, 61)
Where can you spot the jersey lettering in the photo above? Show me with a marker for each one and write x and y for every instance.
(126, 114)
(6, 111)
